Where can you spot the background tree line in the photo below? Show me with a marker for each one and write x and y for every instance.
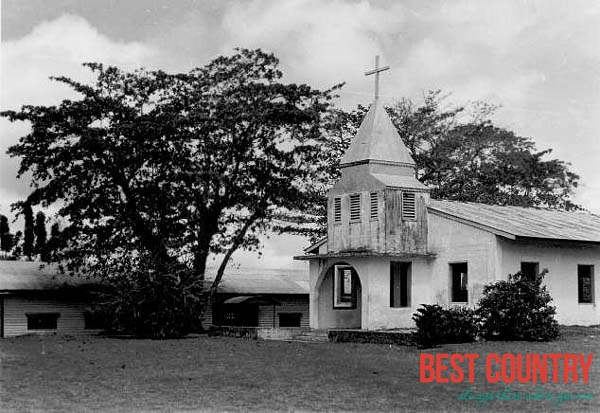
(31, 243)
(155, 172)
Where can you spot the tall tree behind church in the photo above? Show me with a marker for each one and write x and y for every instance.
(474, 160)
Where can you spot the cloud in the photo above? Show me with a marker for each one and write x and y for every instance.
(56, 48)
(318, 42)
(53, 48)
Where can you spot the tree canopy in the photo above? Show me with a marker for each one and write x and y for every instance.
(473, 160)
(165, 169)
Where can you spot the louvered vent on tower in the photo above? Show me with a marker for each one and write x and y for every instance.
(409, 210)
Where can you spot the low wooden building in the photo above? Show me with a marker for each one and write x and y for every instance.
(266, 298)
(35, 300)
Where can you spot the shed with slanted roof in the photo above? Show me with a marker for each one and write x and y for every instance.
(257, 297)
(35, 299)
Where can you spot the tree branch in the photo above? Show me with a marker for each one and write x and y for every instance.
(237, 241)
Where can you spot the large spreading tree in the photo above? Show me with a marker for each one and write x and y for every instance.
(153, 172)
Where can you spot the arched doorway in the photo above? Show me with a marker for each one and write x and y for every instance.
(339, 299)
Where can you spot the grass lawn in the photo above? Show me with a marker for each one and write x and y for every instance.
(216, 373)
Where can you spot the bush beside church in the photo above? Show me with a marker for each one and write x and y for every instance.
(514, 309)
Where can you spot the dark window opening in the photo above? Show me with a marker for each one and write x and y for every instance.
(400, 284)
(460, 282)
(42, 321)
(289, 319)
(530, 269)
(585, 283)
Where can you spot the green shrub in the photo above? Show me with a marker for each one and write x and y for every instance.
(517, 309)
(437, 325)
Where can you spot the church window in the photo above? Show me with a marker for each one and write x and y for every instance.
(400, 281)
(344, 288)
(409, 210)
(459, 282)
(337, 209)
(355, 207)
(374, 206)
(585, 283)
(530, 269)
(42, 321)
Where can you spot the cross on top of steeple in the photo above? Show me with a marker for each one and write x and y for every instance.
(376, 72)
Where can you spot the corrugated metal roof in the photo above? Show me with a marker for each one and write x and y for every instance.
(262, 281)
(27, 275)
(525, 222)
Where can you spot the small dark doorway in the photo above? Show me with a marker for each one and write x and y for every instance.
(289, 319)
(459, 282)
(243, 315)
(400, 284)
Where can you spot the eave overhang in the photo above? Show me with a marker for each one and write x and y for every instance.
(363, 254)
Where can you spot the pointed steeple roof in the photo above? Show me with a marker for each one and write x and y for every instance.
(377, 141)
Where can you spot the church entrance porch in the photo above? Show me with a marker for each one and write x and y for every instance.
(339, 298)
(368, 292)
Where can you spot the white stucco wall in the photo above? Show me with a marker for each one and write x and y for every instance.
(453, 242)
(373, 305)
(380, 314)
(561, 280)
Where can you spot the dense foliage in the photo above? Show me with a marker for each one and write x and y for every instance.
(517, 309)
(172, 168)
(437, 325)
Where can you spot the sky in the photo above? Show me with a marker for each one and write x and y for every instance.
(538, 60)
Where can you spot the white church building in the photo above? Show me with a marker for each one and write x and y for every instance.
(390, 248)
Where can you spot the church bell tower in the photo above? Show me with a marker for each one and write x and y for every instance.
(377, 206)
